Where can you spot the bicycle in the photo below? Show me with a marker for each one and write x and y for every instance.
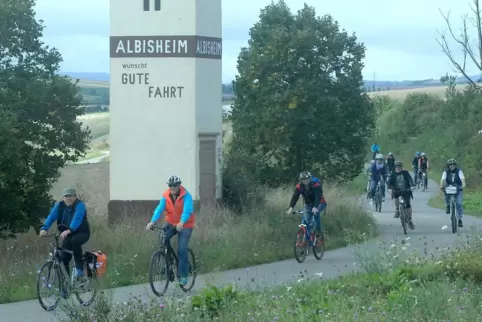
(67, 283)
(452, 191)
(424, 181)
(378, 197)
(368, 187)
(306, 239)
(169, 265)
(402, 207)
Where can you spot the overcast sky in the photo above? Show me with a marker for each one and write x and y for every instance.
(400, 36)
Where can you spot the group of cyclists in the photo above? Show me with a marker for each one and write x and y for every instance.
(177, 203)
(401, 183)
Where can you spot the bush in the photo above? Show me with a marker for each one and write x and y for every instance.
(443, 128)
(128, 246)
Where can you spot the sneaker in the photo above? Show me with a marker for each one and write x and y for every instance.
(410, 224)
(383, 199)
(183, 281)
(460, 223)
(397, 214)
(447, 211)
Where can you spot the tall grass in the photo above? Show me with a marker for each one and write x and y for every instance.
(221, 241)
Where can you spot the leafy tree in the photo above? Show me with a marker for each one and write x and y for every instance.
(38, 119)
(299, 98)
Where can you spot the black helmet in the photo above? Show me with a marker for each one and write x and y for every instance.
(451, 161)
(305, 175)
(174, 180)
(398, 164)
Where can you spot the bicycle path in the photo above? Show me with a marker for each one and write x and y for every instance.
(428, 237)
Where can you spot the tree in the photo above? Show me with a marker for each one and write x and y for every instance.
(39, 131)
(464, 43)
(299, 98)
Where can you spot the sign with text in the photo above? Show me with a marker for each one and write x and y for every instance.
(143, 78)
(165, 46)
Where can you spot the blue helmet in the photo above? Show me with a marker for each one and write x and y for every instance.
(417, 154)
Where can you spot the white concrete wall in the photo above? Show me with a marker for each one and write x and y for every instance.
(152, 138)
(208, 77)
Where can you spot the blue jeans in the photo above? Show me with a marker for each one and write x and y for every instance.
(415, 175)
(458, 202)
(183, 242)
(373, 187)
(308, 216)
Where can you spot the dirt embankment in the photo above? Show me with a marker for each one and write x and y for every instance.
(91, 182)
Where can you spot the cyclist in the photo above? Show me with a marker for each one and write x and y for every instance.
(454, 176)
(390, 162)
(375, 150)
(415, 166)
(312, 191)
(378, 171)
(401, 184)
(72, 213)
(179, 207)
(423, 167)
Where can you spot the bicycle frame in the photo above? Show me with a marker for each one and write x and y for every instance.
(166, 247)
(305, 227)
(57, 260)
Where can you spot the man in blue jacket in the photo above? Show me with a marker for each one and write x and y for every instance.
(378, 171)
(72, 213)
(375, 150)
(312, 191)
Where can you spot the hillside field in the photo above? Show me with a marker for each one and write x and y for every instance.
(394, 93)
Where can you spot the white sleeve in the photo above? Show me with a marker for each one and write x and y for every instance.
(444, 175)
(461, 175)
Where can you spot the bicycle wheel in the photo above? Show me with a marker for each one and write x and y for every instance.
(319, 247)
(453, 215)
(158, 267)
(192, 271)
(300, 244)
(403, 219)
(378, 201)
(56, 285)
(89, 285)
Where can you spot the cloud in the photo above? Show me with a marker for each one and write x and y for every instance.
(400, 36)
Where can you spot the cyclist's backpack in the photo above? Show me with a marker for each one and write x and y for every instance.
(96, 262)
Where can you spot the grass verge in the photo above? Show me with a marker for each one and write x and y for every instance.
(220, 242)
(402, 287)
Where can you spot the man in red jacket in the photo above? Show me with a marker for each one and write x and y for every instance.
(179, 207)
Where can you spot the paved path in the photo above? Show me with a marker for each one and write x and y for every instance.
(96, 159)
(427, 235)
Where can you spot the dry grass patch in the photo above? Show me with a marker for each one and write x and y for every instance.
(98, 123)
(221, 241)
(400, 94)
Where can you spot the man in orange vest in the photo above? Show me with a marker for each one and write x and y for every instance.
(179, 207)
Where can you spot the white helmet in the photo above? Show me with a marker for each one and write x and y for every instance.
(379, 156)
(423, 154)
(174, 180)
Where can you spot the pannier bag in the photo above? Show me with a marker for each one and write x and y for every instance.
(96, 262)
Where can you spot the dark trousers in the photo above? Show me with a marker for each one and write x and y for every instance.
(183, 238)
(74, 242)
